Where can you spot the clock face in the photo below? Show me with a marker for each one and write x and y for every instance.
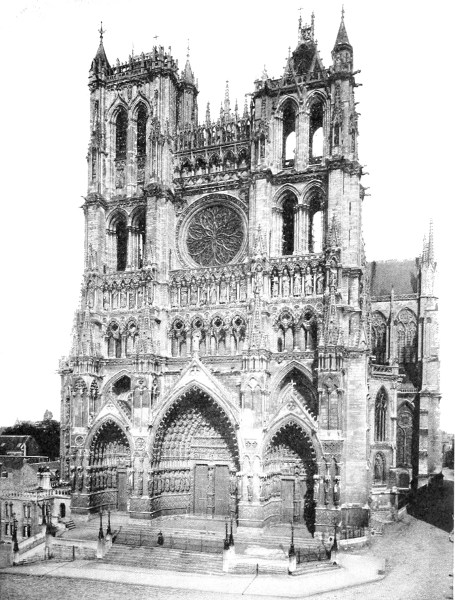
(215, 235)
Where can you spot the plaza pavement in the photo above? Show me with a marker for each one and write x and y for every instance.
(354, 570)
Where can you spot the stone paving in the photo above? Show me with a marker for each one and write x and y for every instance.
(417, 551)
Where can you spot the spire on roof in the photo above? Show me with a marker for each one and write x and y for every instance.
(430, 242)
(207, 114)
(227, 102)
(245, 109)
(342, 37)
(188, 75)
(100, 55)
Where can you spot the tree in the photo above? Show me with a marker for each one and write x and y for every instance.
(46, 434)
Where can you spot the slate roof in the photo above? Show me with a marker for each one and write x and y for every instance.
(14, 443)
(402, 275)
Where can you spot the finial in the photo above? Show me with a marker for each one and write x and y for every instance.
(188, 48)
(430, 242)
(300, 18)
(101, 31)
(342, 12)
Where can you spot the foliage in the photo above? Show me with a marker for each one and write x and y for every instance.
(46, 434)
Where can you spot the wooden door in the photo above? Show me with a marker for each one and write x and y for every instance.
(287, 499)
(200, 489)
(221, 490)
(122, 490)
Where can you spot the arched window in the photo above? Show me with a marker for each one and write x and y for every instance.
(315, 231)
(379, 338)
(316, 130)
(289, 138)
(289, 205)
(380, 416)
(141, 132)
(406, 337)
(138, 237)
(62, 510)
(121, 235)
(404, 436)
(121, 127)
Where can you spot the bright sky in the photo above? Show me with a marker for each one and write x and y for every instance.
(403, 49)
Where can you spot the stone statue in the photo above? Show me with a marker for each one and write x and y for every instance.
(297, 284)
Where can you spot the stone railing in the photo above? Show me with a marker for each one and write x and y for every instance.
(381, 370)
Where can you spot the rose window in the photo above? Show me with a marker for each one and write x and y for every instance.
(215, 235)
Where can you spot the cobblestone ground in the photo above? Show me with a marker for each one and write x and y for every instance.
(418, 552)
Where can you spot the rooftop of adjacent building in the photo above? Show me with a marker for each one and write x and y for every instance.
(401, 275)
(16, 444)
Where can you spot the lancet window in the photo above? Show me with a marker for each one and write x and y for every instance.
(316, 131)
(121, 129)
(138, 235)
(315, 229)
(121, 238)
(141, 131)
(406, 337)
(380, 416)
(289, 135)
(288, 230)
(379, 338)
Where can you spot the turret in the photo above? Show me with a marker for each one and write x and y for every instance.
(342, 53)
(100, 66)
(188, 102)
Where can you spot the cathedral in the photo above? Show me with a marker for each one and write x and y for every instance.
(234, 354)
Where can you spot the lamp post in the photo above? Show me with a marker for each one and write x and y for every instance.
(291, 547)
(226, 538)
(108, 530)
(14, 536)
(100, 532)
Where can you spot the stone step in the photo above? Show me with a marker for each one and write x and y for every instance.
(167, 559)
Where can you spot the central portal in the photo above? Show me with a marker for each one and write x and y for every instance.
(195, 460)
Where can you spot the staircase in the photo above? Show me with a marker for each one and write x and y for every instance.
(165, 559)
(69, 524)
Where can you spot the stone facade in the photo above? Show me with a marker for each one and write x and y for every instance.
(224, 359)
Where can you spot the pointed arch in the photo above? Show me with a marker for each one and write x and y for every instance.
(106, 388)
(101, 423)
(173, 399)
(285, 370)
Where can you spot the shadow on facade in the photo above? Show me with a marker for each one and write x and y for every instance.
(434, 505)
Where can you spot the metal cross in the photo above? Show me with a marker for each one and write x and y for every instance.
(101, 31)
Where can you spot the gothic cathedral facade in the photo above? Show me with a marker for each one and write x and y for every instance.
(234, 355)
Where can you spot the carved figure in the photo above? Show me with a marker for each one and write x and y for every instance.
(285, 284)
(308, 282)
(297, 284)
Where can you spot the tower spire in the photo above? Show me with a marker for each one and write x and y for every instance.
(227, 102)
(188, 75)
(100, 61)
(430, 243)
(342, 37)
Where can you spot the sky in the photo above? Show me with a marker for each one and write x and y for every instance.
(402, 49)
